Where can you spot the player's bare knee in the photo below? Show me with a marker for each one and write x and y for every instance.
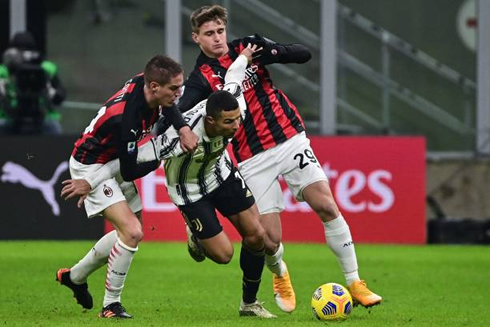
(270, 246)
(327, 210)
(134, 235)
(222, 257)
(255, 241)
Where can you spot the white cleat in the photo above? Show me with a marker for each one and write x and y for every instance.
(195, 250)
(255, 310)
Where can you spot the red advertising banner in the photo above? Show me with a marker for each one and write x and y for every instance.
(378, 184)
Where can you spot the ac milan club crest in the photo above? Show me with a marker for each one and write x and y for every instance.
(107, 191)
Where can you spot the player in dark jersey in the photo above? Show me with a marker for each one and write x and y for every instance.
(125, 119)
(270, 143)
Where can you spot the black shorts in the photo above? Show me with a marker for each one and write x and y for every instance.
(232, 197)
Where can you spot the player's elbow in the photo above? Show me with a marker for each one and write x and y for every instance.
(304, 55)
(127, 175)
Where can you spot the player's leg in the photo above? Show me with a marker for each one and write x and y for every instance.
(94, 259)
(206, 233)
(251, 261)
(130, 233)
(75, 278)
(284, 294)
(235, 201)
(308, 182)
(337, 233)
(261, 173)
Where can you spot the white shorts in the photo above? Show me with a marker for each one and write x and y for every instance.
(107, 193)
(294, 160)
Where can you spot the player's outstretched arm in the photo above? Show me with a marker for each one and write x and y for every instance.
(162, 147)
(273, 52)
(236, 71)
(236, 74)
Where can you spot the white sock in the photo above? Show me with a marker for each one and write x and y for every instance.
(339, 239)
(117, 269)
(274, 262)
(94, 259)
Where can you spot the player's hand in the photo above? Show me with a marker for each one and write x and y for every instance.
(75, 187)
(188, 139)
(250, 50)
(268, 53)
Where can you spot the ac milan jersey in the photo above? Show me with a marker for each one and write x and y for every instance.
(271, 118)
(123, 120)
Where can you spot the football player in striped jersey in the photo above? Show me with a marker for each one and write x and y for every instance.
(124, 119)
(271, 143)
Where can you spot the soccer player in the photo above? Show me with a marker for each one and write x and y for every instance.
(270, 143)
(127, 117)
(207, 180)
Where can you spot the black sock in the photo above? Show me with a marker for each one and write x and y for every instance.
(252, 264)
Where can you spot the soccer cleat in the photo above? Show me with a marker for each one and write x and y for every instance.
(114, 310)
(80, 292)
(195, 249)
(284, 292)
(362, 295)
(255, 309)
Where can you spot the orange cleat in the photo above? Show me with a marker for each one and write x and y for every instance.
(284, 292)
(362, 295)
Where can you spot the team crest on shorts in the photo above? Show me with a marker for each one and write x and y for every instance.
(107, 191)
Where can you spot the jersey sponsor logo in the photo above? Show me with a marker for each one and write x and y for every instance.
(107, 191)
(251, 78)
(14, 173)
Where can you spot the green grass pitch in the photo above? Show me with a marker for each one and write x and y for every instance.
(421, 286)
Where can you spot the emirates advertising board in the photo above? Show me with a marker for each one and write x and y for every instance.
(378, 184)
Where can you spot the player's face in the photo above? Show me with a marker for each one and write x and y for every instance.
(212, 38)
(167, 94)
(227, 124)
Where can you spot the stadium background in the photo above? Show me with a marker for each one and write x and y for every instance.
(99, 44)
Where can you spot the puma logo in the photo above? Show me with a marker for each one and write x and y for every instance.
(14, 173)
(135, 132)
(217, 75)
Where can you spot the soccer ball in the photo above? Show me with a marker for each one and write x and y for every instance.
(331, 302)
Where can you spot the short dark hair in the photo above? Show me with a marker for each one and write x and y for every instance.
(220, 101)
(206, 14)
(161, 69)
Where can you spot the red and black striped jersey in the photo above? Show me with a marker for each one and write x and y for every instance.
(122, 121)
(271, 117)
